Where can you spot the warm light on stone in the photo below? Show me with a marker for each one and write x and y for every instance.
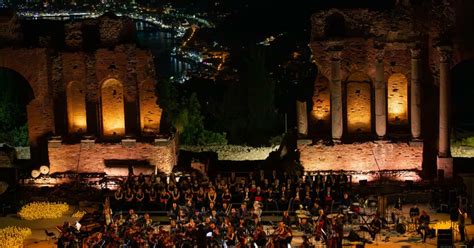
(358, 98)
(76, 107)
(113, 116)
(321, 101)
(150, 112)
(397, 99)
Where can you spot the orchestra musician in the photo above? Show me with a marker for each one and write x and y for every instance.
(283, 235)
(423, 228)
(414, 214)
(462, 223)
(259, 236)
(319, 226)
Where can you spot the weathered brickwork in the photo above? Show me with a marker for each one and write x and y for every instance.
(368, 156)
(91, 158)
(71, 90)
(358, 107)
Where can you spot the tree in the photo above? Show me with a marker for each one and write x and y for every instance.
(14, 96)
(260, 98)
(184, 114)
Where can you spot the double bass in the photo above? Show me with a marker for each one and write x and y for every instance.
(319, 224)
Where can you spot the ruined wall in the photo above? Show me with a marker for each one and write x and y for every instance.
(397, 100)
(358, 98)
(368, 156)
(150, 112)
(76, 107)
(90, 157)
(321, 112)
(112, 107)
(32, 64)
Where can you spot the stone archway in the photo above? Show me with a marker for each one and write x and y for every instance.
(358, 103)
(397, 100)
(15, 95)
(112, 108)
(76, 107)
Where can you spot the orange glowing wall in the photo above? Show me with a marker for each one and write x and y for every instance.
(112, 103)
(150, 112)
(358, 99)
(397, 99)
(321, 111)
(76, 107)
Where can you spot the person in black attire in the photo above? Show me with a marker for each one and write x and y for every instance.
(462, 223)
(286, 219)
(424, 222)
(414, 214)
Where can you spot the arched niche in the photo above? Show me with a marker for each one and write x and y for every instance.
(112, 106)
(335, 25)
(76, 107)
(397, 99)
(150, 112)
(358, 103)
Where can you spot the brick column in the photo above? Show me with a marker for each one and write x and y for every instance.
(444, 162)
(336, 96)
(415, 96)
(380, 96)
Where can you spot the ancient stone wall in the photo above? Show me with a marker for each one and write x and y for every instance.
(321, 112)
(150, 112)
(358, 98)
(397, 100)
(368, 156)
(112, 107)
(76, 107)
(91, 157)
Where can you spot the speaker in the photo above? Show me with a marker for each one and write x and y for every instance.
(445, 238)
(363, 182)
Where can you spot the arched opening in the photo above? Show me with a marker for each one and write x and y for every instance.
(15, 94)
(335, 25)
(112, 105)
(76, 107)
(397, 100)
(358, 104)
(462, 137)
(321, 111)
(150, 112)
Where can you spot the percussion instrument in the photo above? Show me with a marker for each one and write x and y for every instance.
(302, 212)
(35, 173)
(401, 228)
(330, 216)
(44, 169)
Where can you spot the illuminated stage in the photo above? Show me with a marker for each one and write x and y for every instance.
(364, 161)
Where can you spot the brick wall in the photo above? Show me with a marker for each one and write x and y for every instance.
(368, 156)
(90, 158)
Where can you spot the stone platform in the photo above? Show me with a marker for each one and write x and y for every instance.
(90, 156)
(402, 160)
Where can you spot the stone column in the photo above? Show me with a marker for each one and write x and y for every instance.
(415, 96)
(444, 162)
(302, 117)
(380, 96)
(336, 96)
